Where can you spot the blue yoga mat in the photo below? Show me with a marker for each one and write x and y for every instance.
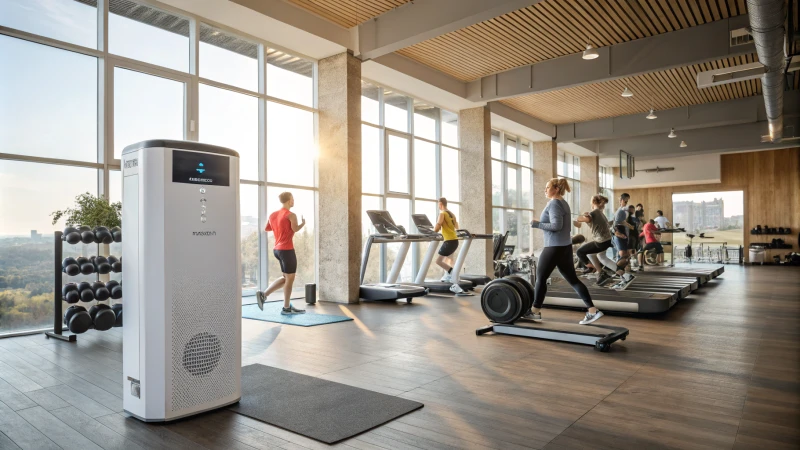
(272, 313)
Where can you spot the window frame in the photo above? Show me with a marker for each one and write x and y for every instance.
(505, 206)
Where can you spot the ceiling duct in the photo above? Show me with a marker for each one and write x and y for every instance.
(767, 19)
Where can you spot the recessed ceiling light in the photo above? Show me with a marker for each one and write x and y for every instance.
(672, 133)
(590, 52)
(627, 92)
(683, 144)
(652, 115)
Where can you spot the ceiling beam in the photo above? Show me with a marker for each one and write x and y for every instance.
(302, 19)
(679, 48)
(423, 73)
(421, 20)
(727, 112)
(726, 138)
(523, 119)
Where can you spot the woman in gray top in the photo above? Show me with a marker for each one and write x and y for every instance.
(557, 251)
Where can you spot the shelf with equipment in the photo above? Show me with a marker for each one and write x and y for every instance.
(100, 316)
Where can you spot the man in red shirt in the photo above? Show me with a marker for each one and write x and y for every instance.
(283, 223)
(650, 231)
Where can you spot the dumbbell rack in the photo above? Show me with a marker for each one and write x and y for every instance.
(58, 310)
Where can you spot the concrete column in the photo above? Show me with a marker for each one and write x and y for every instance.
(339, 170)
(475, 130)
(545, 158)
(590, 186)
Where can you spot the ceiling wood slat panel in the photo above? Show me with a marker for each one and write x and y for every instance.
(660, 90)
(554, 28)
(348, 13)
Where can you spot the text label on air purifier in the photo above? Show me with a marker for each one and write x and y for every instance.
(200, 168)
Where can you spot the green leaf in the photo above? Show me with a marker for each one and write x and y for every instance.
(91, 211)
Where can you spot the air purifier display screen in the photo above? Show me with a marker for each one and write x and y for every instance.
(200, 168)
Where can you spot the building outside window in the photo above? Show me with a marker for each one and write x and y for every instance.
(569, 167)
(410, 158)
(237, 92)
(512, 189)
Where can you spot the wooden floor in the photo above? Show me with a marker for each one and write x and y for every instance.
(720, 370)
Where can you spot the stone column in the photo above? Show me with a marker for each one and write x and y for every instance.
(339, 170)
(545, 158)
(475, 129)
(590, 186)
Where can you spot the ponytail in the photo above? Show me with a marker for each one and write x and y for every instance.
(561, 184)
(599, 200)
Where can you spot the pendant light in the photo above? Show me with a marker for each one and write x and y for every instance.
(652, 115)
(627, 92)
(590, 52)
(672, 133)
(683, 144)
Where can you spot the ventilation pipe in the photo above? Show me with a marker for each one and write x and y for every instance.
(767, 19)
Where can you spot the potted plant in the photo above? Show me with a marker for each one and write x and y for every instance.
(91, 211)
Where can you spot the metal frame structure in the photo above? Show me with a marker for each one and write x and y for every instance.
(107, 62)
(385, 192)
(505, 164)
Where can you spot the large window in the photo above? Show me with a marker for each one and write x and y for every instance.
(57, 141)
(512, 189)
(607, 189)
(569, 167)
(409, 159)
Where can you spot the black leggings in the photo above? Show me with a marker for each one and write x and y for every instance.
(560, 257)
(590, 248)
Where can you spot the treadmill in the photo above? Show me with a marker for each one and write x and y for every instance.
(424, 226)
(599, 336)
(388, 232)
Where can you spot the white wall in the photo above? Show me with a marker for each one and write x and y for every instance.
(700, 169)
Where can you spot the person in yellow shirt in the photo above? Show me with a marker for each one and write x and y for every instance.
(447, 224)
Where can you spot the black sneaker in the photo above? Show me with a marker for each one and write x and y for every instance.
(292, 310)
(602, 278)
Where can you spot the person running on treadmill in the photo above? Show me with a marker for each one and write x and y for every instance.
(620, 241)
(557, 252)
(601, 236)
(448, 224)
(650, 233)
(661, 221)
(283, 223)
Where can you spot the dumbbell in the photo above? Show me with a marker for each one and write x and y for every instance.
(115, 289)
(103, 236)
(116, 233)
(116, 264)
(100, 292)
(85, 290)
(70, 266)
(101, 264)
(86, 265)
(72, 235)
(70, 293)
(102, 316)
(77, 319)
(87, 236)
(117, 308)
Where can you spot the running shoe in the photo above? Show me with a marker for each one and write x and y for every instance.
(292, 310)
(586, 271)
(446, 278)
(591, 317)
(530, 315)
(623, 284)
(260, 298)
(603, 278)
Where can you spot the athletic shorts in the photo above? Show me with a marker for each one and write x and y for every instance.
(448, 247)
(620, 244)
(288, 260)
(654, 245)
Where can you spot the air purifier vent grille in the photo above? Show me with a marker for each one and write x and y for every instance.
(203, 342)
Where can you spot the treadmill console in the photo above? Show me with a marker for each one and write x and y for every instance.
(423, 224)
(383, 223)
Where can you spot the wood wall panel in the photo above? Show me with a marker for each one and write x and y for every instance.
(771, 184)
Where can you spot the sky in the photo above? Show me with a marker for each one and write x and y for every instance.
(733, 200)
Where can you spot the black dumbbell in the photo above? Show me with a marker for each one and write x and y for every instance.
(70, 293)
(115, 289)
(101, 264)
(70, 266)
(116, 265)
(85, 290)
(77, 319)
(100, 292)
(117, 308)
(102, 316)
(116, 233)
(85, 265)
(87, 236)
(72, 235)
(103, 236)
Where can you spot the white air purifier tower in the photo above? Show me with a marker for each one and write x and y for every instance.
(181, 279)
